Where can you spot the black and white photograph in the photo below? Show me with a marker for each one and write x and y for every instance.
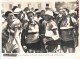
(40, 26)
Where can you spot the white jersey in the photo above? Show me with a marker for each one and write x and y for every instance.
(50, 26)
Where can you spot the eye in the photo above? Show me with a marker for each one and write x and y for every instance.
(31, 16)
(11, 15)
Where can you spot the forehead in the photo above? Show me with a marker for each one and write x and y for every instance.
(10, 14)
(61, 10)
(46, 15)
(30, 14)
(64, 10)
(42, 11)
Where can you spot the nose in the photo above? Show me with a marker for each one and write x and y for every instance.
(31, 16)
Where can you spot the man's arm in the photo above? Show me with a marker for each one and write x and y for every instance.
(55, 31)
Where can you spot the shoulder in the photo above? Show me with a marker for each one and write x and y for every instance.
(16, 23)
(54, 25)
(53, 22)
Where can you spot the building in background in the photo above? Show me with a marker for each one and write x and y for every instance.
(70, 5)
(39, 4)
(36, 5)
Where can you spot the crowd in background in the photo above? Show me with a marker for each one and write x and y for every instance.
(39, 31)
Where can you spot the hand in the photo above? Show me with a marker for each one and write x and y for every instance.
(24, 47)
(42, 35)
(55, 37)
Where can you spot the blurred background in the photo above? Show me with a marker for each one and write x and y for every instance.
(39, 4)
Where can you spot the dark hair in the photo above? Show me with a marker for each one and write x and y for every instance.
(36, 10)
(30, 12)
(7, 13)
(26, 8)
(42, 10)
(66, 9)
(14, 7)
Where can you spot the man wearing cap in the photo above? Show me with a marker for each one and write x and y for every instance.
(20, 15)
(37, 15)
(51, 32)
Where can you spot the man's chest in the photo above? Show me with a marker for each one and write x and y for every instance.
(49, 26)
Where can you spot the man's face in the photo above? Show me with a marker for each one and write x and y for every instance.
(43, 14)
(26, 10)
(19, 15)
(47, 17)
(64, 12)
(10, 16)
(38, 14)
(30, 16)
(60, 13)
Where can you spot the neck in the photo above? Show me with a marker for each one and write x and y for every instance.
(49, 21)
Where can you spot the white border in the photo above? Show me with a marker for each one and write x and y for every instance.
(42, 55)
